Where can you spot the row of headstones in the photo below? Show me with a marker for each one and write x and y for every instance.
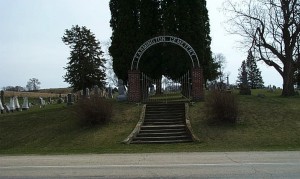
(14, 105)
(72, 98)
(105, 93)
(69, 99)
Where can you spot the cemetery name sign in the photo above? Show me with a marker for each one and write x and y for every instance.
(164, 39)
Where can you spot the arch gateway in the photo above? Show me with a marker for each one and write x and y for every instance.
(134, 75)
(164, 39)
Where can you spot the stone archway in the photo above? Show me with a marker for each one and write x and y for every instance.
(134, 87)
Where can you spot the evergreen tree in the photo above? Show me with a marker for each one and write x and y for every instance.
(254, 77)
(241, 70)
(199, 33)
(150, 26)
(188, 20)
(176, 22)
(135, 21)
(124, 41)
(86, 65)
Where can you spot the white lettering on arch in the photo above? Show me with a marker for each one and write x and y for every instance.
(164, 39)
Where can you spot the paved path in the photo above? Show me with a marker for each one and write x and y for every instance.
(158, 165)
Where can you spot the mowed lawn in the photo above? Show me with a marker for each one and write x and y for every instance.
(265, 124)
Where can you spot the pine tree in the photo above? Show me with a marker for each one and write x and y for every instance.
(124, 41)
(254, 74)
(254, 77)
(150, 26)
(85, 68)
(135, 21)
(241, 70)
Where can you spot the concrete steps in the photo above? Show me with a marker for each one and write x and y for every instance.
(163, 123)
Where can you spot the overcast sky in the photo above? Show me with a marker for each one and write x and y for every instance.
(31, 45)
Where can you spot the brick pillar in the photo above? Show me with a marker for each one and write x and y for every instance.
(134, 86)
(197, 84)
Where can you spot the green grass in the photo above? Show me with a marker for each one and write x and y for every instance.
(270, 123)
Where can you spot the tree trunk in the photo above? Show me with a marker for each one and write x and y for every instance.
(288, 81)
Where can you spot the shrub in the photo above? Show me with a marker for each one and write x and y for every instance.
(94, 110)
(221, 106)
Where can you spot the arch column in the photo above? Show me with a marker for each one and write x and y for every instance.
(134, 86)
(197, 92)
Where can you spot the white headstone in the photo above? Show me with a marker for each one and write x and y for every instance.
(1, 107)
(6, 108)
(96, 90)
(16, 101)
(12, 106)
(122, 91)
(25, 105)
(42, 102)
(87, 92)
(121, 88)
(70, 99)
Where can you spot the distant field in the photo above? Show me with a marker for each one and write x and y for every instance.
(29, 94)
(44, 93)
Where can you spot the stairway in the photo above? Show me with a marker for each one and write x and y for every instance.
(163, 123)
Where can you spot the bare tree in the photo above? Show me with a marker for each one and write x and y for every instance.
(33, 84)
(220, 59)
(111, 78)
(271, 29)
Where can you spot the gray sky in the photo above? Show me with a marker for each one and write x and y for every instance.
(31, 45)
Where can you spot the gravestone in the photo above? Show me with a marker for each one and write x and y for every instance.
(2, 97)
(74, 98)
(110, 95)
(25, 105)
(60, 99)
(104, 93)
(87, 92)
(122, 91)
(42, 102)
(152, 90)
(12, 106)
(70, 99)
(227, 83)
(1, 107)
(17, 105)
(96, 90)
(6, 108)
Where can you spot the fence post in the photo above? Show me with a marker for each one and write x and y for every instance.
(197, 84)
(134, 86)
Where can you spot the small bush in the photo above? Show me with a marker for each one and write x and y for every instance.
(221, 107)
(94, 110)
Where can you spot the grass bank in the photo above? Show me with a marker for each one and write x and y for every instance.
(269, 123)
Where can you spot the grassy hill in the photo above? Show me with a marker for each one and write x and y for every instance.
(269, 123)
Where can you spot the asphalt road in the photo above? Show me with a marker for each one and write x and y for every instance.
(157, 165)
